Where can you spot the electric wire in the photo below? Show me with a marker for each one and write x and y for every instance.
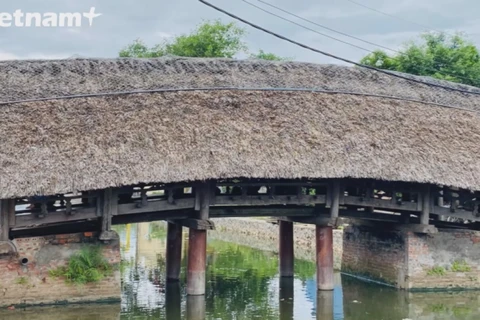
(151, 91)
(342, 33)
(396, 75)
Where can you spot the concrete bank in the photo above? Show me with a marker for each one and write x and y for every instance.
(262, 234)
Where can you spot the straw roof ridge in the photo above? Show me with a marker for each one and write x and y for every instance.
(35, 79)
(85, 143)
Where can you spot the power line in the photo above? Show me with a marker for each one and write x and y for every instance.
(423, 26)
(320, 25)
(201, 89)
(342, 33)
(400, 76)
(307, 28)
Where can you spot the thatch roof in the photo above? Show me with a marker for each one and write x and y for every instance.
(82, 143)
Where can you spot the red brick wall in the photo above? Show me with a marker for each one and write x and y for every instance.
(406, 260)
(374, 254)
(32, 284)
(442, 250)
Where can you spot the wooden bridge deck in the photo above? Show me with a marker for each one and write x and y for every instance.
(308, 201)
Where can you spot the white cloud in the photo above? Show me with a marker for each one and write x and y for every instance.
(7, 56)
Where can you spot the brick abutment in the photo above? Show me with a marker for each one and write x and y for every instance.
(26, 271)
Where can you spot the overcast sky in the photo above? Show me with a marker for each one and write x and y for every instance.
(122, 21)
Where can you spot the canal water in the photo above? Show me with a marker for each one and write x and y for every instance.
(243, 283)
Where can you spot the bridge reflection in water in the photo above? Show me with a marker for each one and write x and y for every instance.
(243, 283)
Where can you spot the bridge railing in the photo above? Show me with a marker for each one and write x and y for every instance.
(364, 199)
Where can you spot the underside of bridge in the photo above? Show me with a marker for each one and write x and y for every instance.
(90, 143)
(386, 223)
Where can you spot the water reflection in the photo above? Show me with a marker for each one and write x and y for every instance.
(243, 283)
(173, 301)
(325, 305)
(286, 298)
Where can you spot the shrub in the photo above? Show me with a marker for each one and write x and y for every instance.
(437, 271)
(88, 265)
(461, 266)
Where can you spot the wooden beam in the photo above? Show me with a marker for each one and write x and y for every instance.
(224, 212)
(379, 204)
(153, 216)
(323, 220)
(31, 221)
(156, 206)
(459, 213)
(268, 200)
(194, 224)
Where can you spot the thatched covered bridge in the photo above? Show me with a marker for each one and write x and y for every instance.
(88, 143)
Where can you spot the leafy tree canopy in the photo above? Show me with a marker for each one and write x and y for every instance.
(211, 39)
(442, 56)
(208, 40)
(267, 56)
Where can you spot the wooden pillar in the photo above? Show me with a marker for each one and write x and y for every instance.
(335, 207)
(425, 214)
(286, 253)
(4, 223)
(324, 238)
(325, 305)
(109, 209)
(406, 217)
(286, 297)
(174, 251)
(197, 246)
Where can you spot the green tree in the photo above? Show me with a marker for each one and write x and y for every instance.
(442, 56)
(208, 40)
(267, 56)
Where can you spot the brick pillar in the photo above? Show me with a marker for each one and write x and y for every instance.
(197, 245)
(324, 238)
(197, 258)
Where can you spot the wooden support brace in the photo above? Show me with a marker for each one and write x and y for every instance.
(205, 196)
(110, 209)
(299, 192)
(43, 209)
(335, 194)
(272, 192)
(99, 203)
(144, 197)
(244, 193)
(4, 224)
(370, 196)
(171, 199)
(68, 207)
(12, 219)
(425, 213)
